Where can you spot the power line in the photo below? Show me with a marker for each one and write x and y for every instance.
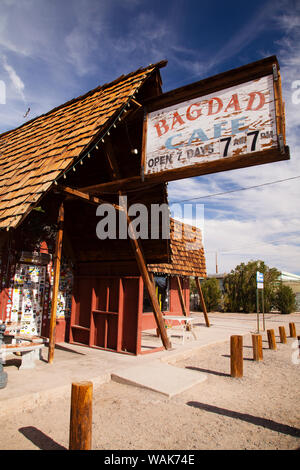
(258, 245)
(240, 189)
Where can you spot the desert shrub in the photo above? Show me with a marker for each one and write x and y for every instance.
(285, 299)
(240, 287)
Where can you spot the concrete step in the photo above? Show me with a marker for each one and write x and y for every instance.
(159, 377)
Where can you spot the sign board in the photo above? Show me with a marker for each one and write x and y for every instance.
(231, 123)
(259, 280)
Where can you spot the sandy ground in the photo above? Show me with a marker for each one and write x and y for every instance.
(259, 411)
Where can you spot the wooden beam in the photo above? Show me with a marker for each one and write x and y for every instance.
(139, 256)
(279, 107)
(198, 169)
(198, 284)
(57, 262)
(138, 253)
(85, 196)
(152, 295)
(179, 287)
(151, 275)
(213, 84)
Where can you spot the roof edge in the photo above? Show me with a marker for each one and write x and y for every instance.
(158, 65)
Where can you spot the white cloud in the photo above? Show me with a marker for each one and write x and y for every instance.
(14, 77)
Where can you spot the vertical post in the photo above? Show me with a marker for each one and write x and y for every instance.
(292, 327)
(257, 309)
(282, 334)
(151, 275)
(257, 347)
(3, 375)
(81, 416)
(263, 308)
(57, 261)
(183, 307)
(137, 249)
(179, 287)
(152, 294)
(236, 356)
(271, 339)
(198, 284)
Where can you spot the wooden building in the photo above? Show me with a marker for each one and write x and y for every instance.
(57, 277)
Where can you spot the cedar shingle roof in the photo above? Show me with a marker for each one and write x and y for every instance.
(187, 250)
(35, 154)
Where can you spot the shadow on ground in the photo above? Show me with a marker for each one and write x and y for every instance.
(214, 372)
(256, 420)
(39, 439)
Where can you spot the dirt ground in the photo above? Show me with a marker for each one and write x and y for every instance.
(259, 411)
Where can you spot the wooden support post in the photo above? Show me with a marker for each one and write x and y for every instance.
(57, 261)
(293, 333)
(84, 196)
(282, 334)
(81, 416)
(198, 284)
(236, 356)
(271, 339)
(257, 347)
(151, 275)
(181, 295)
(138, 252)
(298, 338)
(149, 286)
(183, 307)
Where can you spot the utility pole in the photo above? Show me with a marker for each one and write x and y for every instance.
(216, 262)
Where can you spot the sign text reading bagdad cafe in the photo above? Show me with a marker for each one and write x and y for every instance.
(236, 121)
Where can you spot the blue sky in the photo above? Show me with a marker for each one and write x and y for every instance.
(52, 51)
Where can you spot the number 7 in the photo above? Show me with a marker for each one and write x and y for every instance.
(253, 145)
(227, 140)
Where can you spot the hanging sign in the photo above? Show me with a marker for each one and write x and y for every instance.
(230, 124)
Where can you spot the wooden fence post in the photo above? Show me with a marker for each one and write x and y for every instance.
(292, 330)
(282, 334)
(81, 416)
(236, 356)
(257, 347)
(271, 339)
(57, 262)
